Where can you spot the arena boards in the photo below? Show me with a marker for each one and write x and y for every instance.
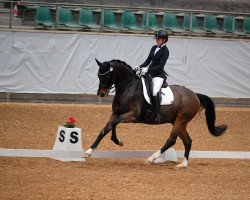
(119, 154)
(68, 147)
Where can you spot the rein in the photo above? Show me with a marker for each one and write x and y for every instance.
(118, 85)
(108, 84)
(121, 84)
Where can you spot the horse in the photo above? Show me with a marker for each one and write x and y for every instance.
(129, 105)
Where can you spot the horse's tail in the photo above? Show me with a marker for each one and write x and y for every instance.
(208, 105)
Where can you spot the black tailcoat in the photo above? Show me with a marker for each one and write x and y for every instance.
(157, 61)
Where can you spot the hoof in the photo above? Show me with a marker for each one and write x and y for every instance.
(150, 160)
(181, 166)
(147, 162)
(184, 164)
(86, 155)
(121, 143)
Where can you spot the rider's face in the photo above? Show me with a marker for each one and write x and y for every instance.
(159, 41)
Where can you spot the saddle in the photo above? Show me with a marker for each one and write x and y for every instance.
(166, 94)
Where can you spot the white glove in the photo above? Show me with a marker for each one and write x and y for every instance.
(137, 68)
(144, 70)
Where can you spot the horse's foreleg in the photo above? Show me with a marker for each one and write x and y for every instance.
(124, 118)
(114, 137)
(95, 144)
(109, 126)
(187, 141)
(128, 117)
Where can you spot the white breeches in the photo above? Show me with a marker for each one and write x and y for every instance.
(157, 83)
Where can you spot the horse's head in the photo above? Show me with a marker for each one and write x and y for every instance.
(105, 78)
(114, 72)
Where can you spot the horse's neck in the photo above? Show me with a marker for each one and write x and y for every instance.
(123, 76)
(131, 93)
(128, 84)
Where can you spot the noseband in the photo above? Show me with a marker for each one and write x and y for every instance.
(108, 81)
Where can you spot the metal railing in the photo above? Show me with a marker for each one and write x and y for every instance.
(160, 11)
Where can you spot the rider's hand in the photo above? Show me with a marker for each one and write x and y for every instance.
(144, 70)
(137, 68)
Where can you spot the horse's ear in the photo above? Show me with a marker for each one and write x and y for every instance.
(98, 62)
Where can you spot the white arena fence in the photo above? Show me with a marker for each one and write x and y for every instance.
(119, 154)
(68, 147)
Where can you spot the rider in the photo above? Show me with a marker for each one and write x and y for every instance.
(156, 60)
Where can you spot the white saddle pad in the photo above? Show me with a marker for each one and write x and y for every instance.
(166, 94)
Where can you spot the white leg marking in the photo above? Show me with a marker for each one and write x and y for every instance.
(183, 164)
(152, 158)
(121, 143)
(88, 153)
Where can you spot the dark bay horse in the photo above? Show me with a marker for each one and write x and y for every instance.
(129, 105)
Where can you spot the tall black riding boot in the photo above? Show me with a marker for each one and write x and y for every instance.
(156, 104)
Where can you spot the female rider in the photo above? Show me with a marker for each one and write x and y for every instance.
(156, 61)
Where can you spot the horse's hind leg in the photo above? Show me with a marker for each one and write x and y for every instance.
(187, 141)
(169, 143)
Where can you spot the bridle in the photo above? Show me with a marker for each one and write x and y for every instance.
(109, 83)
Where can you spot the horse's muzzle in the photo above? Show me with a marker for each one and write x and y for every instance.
(102, 92)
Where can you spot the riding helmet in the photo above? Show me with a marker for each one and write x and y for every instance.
(161, 34)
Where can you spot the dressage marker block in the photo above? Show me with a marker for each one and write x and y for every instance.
(68, 139)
